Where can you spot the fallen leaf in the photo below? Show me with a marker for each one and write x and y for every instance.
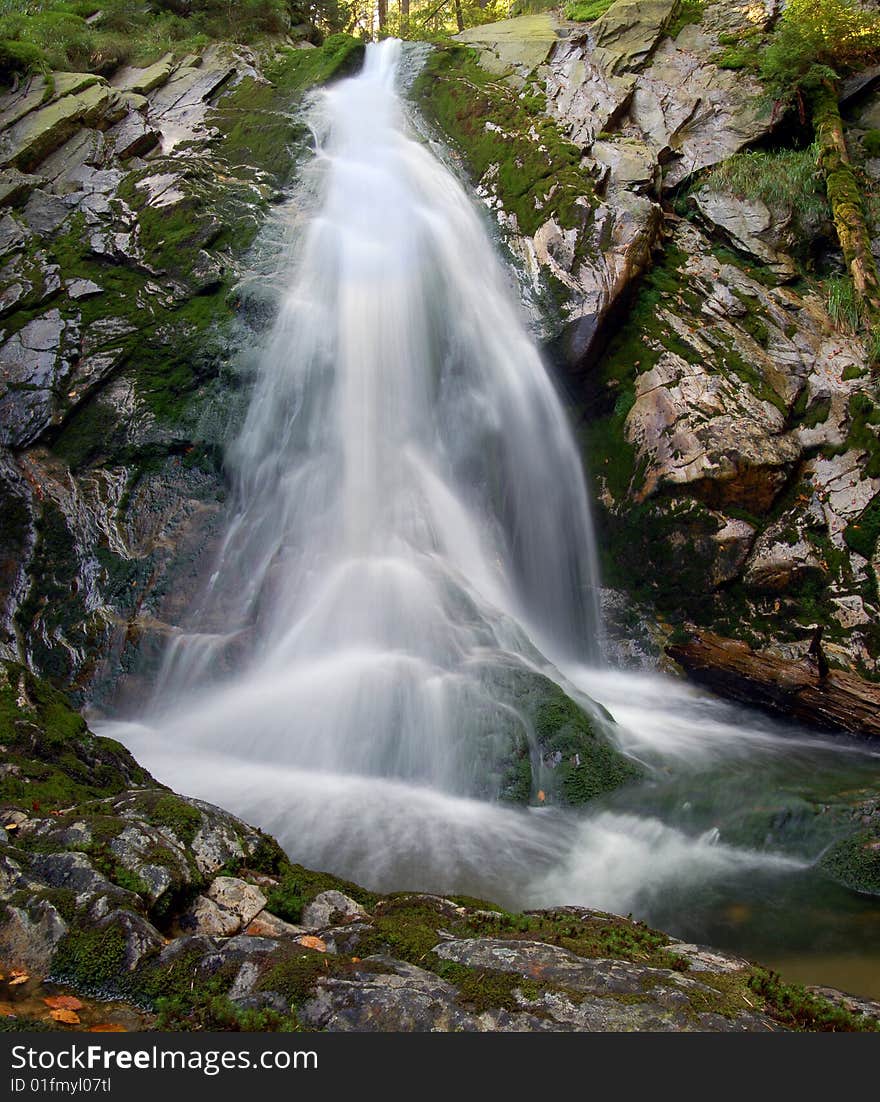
(12, 826)
(17, 972)
(16, 980)
(63, 1002)
(355, 960)
(7, 1010)
(69, 1017)
(107, 1027)
(313, 943)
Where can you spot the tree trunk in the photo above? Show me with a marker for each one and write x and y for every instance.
(383, 16)
(845, 199)
(459, 18)
(404, 17)
(805, 690)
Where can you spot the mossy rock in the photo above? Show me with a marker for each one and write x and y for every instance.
(855, 862)
(572, 759)
(55, 760)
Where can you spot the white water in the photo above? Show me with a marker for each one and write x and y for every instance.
(411, 514)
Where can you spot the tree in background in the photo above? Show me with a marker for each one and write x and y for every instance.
(816, 44)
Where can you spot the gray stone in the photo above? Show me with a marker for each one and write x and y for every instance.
(29, 937)
(331, 908)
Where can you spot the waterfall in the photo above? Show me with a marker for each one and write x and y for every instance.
(409, 527)
(410, 504)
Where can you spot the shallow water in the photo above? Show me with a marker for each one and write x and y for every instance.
(409, 515)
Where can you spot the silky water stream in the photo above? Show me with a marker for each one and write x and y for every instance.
(410, 523)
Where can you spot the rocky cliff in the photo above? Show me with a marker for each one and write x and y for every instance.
(676, 246)
(127, 205)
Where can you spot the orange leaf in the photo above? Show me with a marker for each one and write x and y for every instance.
(17, 972)
(7, 1010)
(107, 1027)
(69, 1017)
(16, 980)
(63, 1002)
(313, 943)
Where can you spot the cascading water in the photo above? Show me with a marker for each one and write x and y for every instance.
(402, 462)
(410, 519)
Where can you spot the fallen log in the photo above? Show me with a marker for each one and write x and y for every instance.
(806, 690)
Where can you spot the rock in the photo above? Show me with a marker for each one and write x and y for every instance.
(83, 288)
(734, 541)
(331, 908)
(748, 224)
(29, 937)
(132, 137)
(12, 234)
(266, 924)
(513, 46)
(238, 897)
(841, 701)
(132, 79)
(45, 213)
(205, 918)
(141, 938)
(627, 34)
(30, 140)
(16, 186)
(732, 450)
(778, 565)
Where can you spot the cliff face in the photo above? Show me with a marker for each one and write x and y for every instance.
(126, 207)
(688, 279)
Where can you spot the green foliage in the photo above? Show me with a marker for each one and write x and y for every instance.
(797, 1008)
(842, 302)
(816, 42)
(55, 35)
(585, 11)
(537, 171)
(871, 143)
(56, 760)
(788, 181)
(195, 1011)
(181, 818)
(92, 960)
(689, 11)
(299, 886)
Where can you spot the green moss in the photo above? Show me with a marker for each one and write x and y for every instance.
(871, 143)
(861, 534)
(170, 811)
(585, 11)
(688, 11)
(90, 960)
(799, 1009)
(59, 762)
(536, 172)
(299, 886)
(855, 863)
